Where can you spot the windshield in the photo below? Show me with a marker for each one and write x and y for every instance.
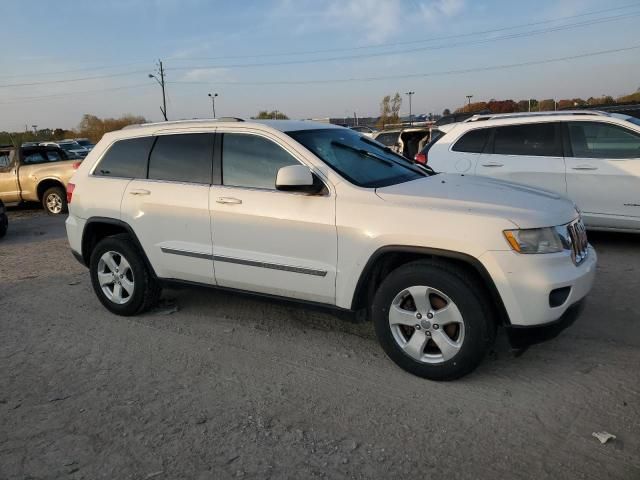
(360, 160)
(628, 118)
(84, 143)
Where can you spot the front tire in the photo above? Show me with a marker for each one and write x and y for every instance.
(54, 200)
(432, 320)
(120, 277)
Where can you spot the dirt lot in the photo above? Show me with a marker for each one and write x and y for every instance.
(231, 386)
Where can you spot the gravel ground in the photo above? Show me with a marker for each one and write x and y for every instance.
(231, 386)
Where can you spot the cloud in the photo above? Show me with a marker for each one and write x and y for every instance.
(435, 10)
(205, 74)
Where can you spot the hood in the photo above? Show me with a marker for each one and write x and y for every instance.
(526, 207)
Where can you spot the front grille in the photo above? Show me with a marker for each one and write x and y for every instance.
(579, 243)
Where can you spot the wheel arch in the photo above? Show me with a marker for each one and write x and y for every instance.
(97, 228)
(47, 183)
(388, 258)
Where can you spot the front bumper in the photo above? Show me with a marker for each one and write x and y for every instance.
(525, 283)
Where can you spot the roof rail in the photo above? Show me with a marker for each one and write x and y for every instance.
(495, 116)
(179, 122)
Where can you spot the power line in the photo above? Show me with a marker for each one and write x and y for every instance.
(411, 42)
(420, 75)
(412, 50)
(71, 94)
(76, 70)
(95, 77)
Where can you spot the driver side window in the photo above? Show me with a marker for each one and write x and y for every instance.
(252, 161)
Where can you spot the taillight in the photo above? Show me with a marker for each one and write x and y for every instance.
(420, 158)
(70, 188)
(76, 165)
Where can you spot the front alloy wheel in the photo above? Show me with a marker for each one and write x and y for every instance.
(426, 324)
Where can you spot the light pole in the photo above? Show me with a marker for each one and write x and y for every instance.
(160, 81)
(469, 97)
(213, 103)
(410, 94)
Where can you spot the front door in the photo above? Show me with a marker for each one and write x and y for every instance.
(529, 153)
(169, 210)
(603, 173)
(265, 240)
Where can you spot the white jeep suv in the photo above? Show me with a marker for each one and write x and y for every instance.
(322, 214)
(591, 157)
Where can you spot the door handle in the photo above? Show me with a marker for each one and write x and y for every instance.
(229, 200)
(584, 167)
(493, 164)
(139, 191)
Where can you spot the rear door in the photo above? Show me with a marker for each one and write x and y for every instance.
(266, 240)
(169, 210)
(9, 190)
(528, 153)
(603, 172)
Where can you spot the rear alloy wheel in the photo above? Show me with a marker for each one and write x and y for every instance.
(54, 201)
(120, 277)
(432, 320)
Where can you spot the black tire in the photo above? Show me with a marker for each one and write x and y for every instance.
(60, 196)
(468, 297)
(4, 225)
(146, 290)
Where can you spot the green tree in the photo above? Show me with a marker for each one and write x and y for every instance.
(270, 115)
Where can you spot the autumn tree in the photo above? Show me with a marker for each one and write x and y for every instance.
(93, 127)
(270, 115)
(389, 110)
(472, 107)
(446, 112)
(547, 105)
(502, 106)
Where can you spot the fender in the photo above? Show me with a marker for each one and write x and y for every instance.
(468, 260)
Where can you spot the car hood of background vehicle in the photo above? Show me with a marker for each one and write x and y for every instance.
(527, 207)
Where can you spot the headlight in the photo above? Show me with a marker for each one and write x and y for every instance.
(536, 240)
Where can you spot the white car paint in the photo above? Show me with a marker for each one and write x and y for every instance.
(325, 241)
(606, 190)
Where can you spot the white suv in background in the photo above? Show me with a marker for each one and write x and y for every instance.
(321, 214)
(591, 157)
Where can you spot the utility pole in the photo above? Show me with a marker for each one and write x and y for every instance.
(469, 97)
(410, 94)
(160, 81)
(213, 103)
(529, 105)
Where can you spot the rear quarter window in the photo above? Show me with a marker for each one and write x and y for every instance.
(473, 141)
(126, 159)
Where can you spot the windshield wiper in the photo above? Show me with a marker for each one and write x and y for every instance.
(364, 152)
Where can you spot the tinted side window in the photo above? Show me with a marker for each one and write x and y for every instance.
(53, 155)
(601, 140)
(126, 158)
(388, 139)
(5, 160)
(252, 161)
(473, 141)
(537, 139)
(182, 158)
(33, 157)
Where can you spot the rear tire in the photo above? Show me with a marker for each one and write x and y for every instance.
(432, 320)
(120, 277)
(4, 225)
(54, 200)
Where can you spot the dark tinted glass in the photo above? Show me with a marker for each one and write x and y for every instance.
(252, 161)
(182, 158)
(602, 140)
(126, 158)
(30, 157)
(388, 139)
(5, 159)
(537, 139)
(473, 141)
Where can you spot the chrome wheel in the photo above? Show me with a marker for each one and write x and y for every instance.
(426, 324)
(115, 277)
(54, 202)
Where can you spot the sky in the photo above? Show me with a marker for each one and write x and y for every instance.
(306, 58)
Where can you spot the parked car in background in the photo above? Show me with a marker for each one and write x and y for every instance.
(322, 214)
(4, 221)
(85, 143)
(37, 174)
(73, 148)
(591, 157)
(363, 129)
(407, 141)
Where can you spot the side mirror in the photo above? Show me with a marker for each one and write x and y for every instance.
(297, 178)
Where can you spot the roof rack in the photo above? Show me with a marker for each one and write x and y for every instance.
(495, 116)
(179, 122)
